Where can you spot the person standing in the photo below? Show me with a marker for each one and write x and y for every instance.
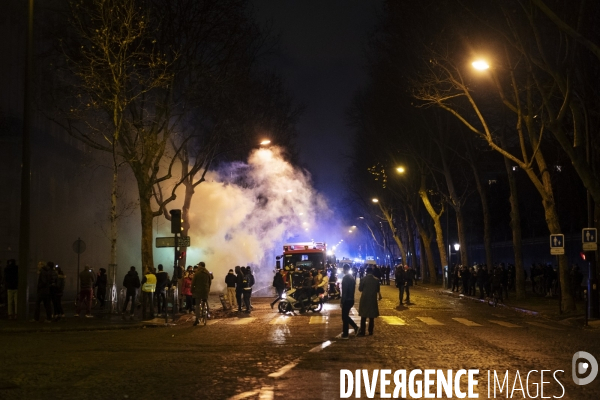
(101, 283)
(87, 279)
(279, 285)
(201, 288)
(131, 283)
(148, 289)
(57, 294)
(162, 282)
(368, 307)
(11, 279)
(239, 286)
(247, 293)
(186, 289)
(230, 281)
(400, 278)
(347, 302)
(46, 282)
(409, 278)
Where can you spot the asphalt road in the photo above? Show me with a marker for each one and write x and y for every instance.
(268, 356)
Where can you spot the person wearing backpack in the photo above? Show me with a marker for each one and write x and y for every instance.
(248, 283)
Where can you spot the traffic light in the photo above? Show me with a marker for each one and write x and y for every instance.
(176, 221)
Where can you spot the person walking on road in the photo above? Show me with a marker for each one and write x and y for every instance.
(279, 285)
(162, 282)
(368, 307)
(131, 283)
(409, 279)
(148, 289)
(11, 279)
(400, 278)
(87, 280)
(347, 302)
(200, 288)
(230, 281)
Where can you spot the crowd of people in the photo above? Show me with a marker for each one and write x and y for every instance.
(500, 279)
(239, 288)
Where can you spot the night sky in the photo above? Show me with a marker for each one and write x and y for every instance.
(322, 56)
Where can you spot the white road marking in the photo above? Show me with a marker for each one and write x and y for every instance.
(266, 393)
(353, 311)
(390, 320)
(284, 369)
(430, 321)
(244, 395)
(282, 319)
(504, 323)
(243, 321)
(466, 322)
(320, 347)
(321, 319)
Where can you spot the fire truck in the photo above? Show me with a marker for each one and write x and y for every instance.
(300, 257)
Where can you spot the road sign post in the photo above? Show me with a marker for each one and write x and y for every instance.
(557, 248)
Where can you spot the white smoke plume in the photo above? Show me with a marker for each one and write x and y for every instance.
(244, 212)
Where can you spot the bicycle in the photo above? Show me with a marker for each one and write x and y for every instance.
(203, 313)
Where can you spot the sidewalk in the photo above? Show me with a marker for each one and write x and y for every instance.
(106, 321)
(532, 304)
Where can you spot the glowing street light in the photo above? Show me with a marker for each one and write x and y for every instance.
(375, 200)
(400, 170)
(456, 246)
(480, 65)
(265, 142)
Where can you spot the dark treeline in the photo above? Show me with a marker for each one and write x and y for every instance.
(504, 153)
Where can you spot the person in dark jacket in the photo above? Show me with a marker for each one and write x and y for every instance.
(409, 278)
(239, 286)
(87, 280)
(162, 282)
(47, 279)
(279, 285)
(482, 278)
(57, 293)
(11, 278)
(131, 283)
(230, 281)
(101, 283)
(400, 278)
(455, 277)
(347, 302)
(247, 290)
(368, 307)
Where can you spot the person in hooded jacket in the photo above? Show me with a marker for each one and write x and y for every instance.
(201, 288)
(367, 306)
(247, 290)
(131, 283)
(230, 281)
(162, 282)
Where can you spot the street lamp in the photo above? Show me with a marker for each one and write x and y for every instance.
(375, 200)
(400, 170)
(480, 65)
(456, 246)
(265, 142)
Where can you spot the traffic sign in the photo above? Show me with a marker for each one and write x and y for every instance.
(589, 238)
(557, 251)
(557, 241)
(184, 241)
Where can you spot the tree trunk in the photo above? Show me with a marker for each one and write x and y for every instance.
(439, 234)
(462, 238)
(390, 222)
(422, 258)
(487, 225)
(515, 225)
(112, 269)
(147, 216)
(411, 242)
